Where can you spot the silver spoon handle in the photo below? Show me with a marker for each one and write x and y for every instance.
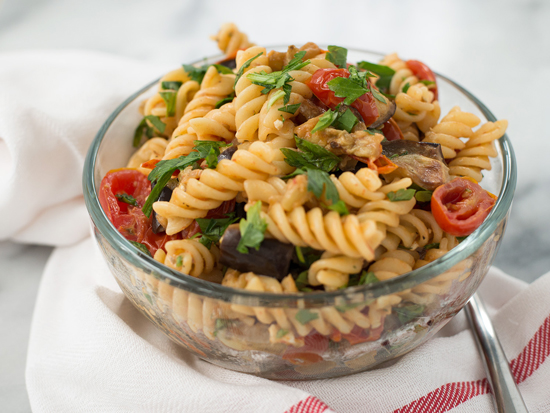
(507, 397)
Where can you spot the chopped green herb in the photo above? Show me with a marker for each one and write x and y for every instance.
(408, 312)
(300, 255)
(142, 247)
(305, 316)
(423, 196)
(156, 122)
(346, 121)
(368, 278)
(290, 108)
(148, 298)
(427, 82)
(384, 73)
(195, 73)
(340, 207)
(162, 172)
(209, 151)
(224, 70)
(338, 55)
(310, 155)
(348, 88)
(435, 245)
(179, 261)
(378, 96)
(346, 307)
(302, 280)
(319, 183)
(142, 129)
(401, 195)
(222, 102)
(276, 96)
(244, 67)
(460, 239)
(213, 229)
(281, 333)
(252, 229)
(222, 324)
(171, 85)
(169, 98)
(374, 132)
(406, 87)
(325, 120)
(128, 199)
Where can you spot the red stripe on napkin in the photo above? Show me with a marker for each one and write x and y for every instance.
(451, 395)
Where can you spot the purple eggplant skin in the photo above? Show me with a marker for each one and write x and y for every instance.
(423, 162)
(228, 153)
(229, 63)
(165, 195)
(385, 110)
(272, 259)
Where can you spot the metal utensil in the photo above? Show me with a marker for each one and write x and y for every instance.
(507, 398)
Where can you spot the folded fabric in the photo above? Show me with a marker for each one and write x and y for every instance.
(91, 351)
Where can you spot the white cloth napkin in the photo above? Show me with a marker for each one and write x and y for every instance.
(91, 351)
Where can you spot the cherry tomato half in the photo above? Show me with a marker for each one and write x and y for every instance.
(128, 219)
(460, 206)
(364, 104)
(315, 345)
(391, 130)
(423, 72)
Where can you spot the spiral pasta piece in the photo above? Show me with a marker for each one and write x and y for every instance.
(152, 149)
(455, 125)
(290, 194)
(194, 197)
(474, 158)
(230, 39)
(356, 189)
(338, 235)
(190, 257)
(332, 271)
(217, 125)
(393, 263)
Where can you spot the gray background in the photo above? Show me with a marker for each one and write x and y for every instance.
(497, 49)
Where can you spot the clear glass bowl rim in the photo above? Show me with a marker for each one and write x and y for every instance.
(302, 300)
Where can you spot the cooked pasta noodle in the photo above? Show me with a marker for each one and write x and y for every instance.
(230, 39)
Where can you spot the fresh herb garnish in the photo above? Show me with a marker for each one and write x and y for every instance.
(310, 155)
(142, 247)
(346, 307)
(385, 74)
(460, 239)
(213, 229)
(252, 229)
(179, 261)
(401, 195)
(350, 87)
(346, 121)
(222, 102)
(169, 98)
(427, 82)
(406, 87)
(338, 55)
(128, 199)
(162, 172)
(209, 151)
(290, 108)
(325, 120)
(224, 70)
(281, 333)
(435, 245)
(408, 312)
(276, 96)
(156, 122)
(423, 196)
(244, 67)
(195, 73)
(171, 85)
(142, 129)
(305, 316)
(302, 282)
(279, 79)
(222, 324)
(368, 278)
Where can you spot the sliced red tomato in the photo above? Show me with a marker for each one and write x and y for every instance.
(423, 72)
(460, 206)
(361, 335)
(318, 83)
(391, 130)
(315, 345)
(128, 219)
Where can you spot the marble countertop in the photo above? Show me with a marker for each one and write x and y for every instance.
(497, 49)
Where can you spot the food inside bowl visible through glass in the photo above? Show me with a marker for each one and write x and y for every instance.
(299, 172)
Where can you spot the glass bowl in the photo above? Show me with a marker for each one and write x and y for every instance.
(236, 329)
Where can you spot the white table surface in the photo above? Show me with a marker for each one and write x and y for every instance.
(497, 49)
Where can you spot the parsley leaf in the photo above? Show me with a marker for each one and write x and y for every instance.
(142, 247)
(213, 229)
(171, 85)
(427, 82)
(408, 312)
(276, 96)
(302, 282)
(296, 62)
(244, 67)
(222, 324)
(435, 245)
(162, 172)
(339, 207)
(378, 96)
(346, 121)
(423, 196)
(460, 239)
(169, 98)
(319, 183)
(222, 102)
(179, 261)
(325, 120)
(195, 73)
(156, 122)
(401, 195)
(252, 229)
(385, 74)
(310, 155)
(142, 129)
(368, 278)
(338, 55)
(128, 199)
(224, 70)
(305, 316)
(346, 88)
(406, 87)
(290, 108)
(281, 333)
(209, 151)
